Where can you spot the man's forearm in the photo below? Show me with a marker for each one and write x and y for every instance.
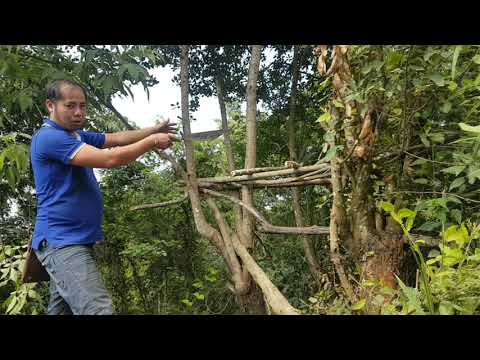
(131, 136)
(124, 155)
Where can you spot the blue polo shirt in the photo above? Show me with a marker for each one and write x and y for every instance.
(69, 201)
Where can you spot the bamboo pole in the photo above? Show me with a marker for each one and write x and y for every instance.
(267, 174)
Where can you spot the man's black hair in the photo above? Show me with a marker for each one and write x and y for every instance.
(54, 88)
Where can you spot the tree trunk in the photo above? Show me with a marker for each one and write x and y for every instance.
(312, 262)
(203, 227)
(228, 147)
(253, 301)
(251, 140)
(376, 250)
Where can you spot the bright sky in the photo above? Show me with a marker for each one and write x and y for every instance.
(143, 112)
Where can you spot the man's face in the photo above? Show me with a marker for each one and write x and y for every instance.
(70, 110)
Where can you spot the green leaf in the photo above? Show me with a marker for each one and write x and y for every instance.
(457, 169)
(465, 127)
(475, 257)
(359, 305)
(3, 154)
(429, 226)
(417, 68)
(457, 234)
(11, 177)
(5, 273)
(121, 70)
(406, 213)
(313, 300)
(338, 104)
(378, 300)
(107, 87)
(377, 64)
(452, 86)
(198, 284)
(133, 70)
(397, 111)
(20, 304)
(433, 261)
(442, 217)
(456, 53)
(456, 183)
(437, 137)
(424, 140)
(25, 102)
(329, 155)
(446, 308)
(393, 59)
(452, 256)
(413, 304)
(433, 253)
(199, 296)
(421, 181)
(12, 303)
(476, 59)
(409, 223)
(388, 207)
(369, 283)
(428, 54)
(420, 162)
(457, 215)
(446, 107)
(366, 69)
(13, 275)
(187, 302)
(473, 173)
(388, 291)
(210, 278)
(326, 117)
(437, 79)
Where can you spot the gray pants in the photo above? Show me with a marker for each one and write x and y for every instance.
(75, 283)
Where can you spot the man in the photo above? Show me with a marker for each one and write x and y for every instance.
(70, 206)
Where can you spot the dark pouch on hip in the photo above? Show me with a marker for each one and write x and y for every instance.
(33, 270)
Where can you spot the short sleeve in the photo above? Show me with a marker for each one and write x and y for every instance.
(56, 145)
(93, 138)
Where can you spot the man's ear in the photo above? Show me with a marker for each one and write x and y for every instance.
(49, 105)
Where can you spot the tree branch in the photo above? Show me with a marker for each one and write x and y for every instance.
(241, 286)
(256, 170)
(157, 205)
(266, 227)
(276, 300)
(261, 184)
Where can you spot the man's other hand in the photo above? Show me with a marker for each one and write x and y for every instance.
(166, 127)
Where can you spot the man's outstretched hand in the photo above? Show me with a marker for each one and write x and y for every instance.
(166, 127)
(163, 141)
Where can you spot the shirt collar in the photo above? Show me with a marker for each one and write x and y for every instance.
(52, 123)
